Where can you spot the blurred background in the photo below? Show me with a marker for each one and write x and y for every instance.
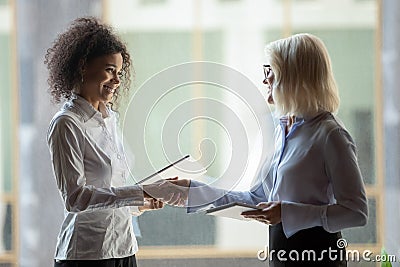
(362, 37)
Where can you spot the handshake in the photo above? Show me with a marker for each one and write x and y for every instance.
(172, 191)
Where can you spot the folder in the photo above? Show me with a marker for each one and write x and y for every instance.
(232, 210)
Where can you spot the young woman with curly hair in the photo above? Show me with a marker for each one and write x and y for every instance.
(89, 67)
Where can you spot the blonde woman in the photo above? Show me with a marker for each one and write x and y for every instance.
(314, 188)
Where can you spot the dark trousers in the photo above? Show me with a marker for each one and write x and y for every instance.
(299, 249)
(122, 262)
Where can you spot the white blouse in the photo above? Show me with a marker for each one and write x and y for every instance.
(90, 169)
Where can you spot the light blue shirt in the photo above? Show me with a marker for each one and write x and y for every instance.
(314, 173)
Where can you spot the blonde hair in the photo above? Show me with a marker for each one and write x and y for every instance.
(303, 78)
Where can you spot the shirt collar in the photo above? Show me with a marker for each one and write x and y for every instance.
(301, 119)
(286, 119)
(87, 110)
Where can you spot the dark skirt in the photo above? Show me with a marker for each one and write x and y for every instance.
(120, 262)
(310, 247)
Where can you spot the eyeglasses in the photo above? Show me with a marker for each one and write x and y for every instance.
(267, 72)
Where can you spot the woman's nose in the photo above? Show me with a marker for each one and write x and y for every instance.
(116, 79)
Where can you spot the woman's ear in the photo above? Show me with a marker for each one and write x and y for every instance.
(82, 69)
(80, 76)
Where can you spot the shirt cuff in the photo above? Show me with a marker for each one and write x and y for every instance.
(297, 216)
(202, 196)
(129, 195)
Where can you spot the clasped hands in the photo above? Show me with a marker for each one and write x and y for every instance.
(175, 192)
(170, 191)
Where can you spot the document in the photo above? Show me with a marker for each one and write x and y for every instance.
(232, 210)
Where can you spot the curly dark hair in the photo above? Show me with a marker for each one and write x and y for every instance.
(85, 39)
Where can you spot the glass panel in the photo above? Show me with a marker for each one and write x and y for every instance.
(6, 134)
(177, 228)
(5, 227)
(5, 121)
(146, 64)
(229, 1)
(149, 57)
(363, 121)
(151, 2)
(3, 212)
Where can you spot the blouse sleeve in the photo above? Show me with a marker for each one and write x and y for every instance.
(66, 143)
(341, 166)
(203, 196)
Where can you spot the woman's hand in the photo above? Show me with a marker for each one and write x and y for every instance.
(270, 213)
(180, 196)
(171, 191)
(179, 182)
(151, 204)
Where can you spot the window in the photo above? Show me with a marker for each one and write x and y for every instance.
(159, 34)
(8, 144)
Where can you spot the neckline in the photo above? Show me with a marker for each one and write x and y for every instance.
(88, 110)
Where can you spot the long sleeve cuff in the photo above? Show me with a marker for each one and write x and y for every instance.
(130, 195)
(297, 216)
(202, 196)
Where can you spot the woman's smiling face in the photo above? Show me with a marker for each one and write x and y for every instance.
(101, 78)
